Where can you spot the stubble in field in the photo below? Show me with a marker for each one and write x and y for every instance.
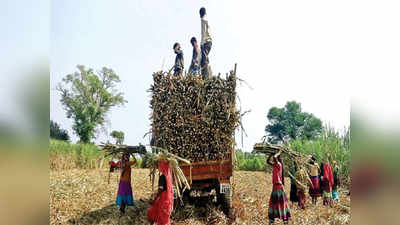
(85, 197)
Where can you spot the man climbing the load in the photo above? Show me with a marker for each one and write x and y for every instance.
(179, 64)
(195, 64)
(205, 45)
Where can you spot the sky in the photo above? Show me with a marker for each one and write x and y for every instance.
(284, 51)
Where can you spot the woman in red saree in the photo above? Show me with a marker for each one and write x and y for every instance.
(327, 183)
(278, 202)
(161, 209)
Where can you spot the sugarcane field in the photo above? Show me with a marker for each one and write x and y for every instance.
(210, 137)
(198, 146)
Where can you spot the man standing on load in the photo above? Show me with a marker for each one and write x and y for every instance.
(195, 65)
(178, 67)
(205, 45)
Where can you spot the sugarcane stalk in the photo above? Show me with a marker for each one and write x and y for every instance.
(172, 155)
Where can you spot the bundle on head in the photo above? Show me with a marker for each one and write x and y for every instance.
(194, 118)
(267, 148)
(113, 149)
(179, 179)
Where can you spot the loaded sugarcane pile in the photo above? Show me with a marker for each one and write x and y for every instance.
(113, 149)
(194, 118)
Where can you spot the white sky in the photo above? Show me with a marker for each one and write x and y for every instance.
(285, 50)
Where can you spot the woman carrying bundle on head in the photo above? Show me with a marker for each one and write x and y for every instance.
(336, 181)
(278, 202)
(314, 190)
(161, 207)
(327, 183)
(124, 195)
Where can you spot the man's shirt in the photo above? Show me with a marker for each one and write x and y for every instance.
(205, 31)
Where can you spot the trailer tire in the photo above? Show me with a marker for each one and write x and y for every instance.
(225, 200)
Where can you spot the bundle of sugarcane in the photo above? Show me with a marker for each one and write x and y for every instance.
(179, 179)
(301, 177)
(113, 149)
(300, 159)
(194, 118)
(267, 148)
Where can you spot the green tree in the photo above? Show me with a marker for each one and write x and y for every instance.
(119, 137)
(57, 133)
(87, 98)
(290, 123)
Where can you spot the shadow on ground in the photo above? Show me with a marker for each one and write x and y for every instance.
(206, 213)
(111, 215)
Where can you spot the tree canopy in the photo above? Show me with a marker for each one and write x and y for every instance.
(57, 133)
(290, 123)
(119, 136)
(87, 98)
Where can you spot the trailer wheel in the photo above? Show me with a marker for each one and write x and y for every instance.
(225, 200)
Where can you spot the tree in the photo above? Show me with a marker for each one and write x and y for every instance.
(57, 133)
(119, 137)
(290, 123)
(88, 97)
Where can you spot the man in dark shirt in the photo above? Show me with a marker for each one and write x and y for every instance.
(178, 68)
(195, 65)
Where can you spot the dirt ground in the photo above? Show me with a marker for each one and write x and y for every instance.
(86, 197)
